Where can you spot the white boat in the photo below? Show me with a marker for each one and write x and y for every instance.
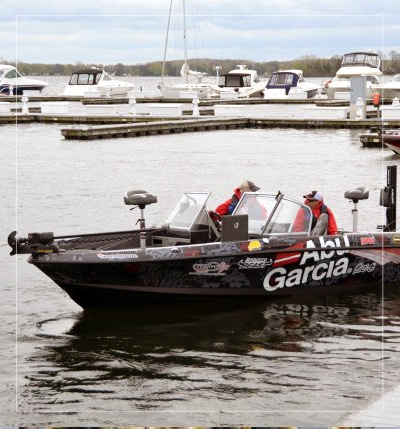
(391, 89)
(96, 82)
(355, 64)
(193, 82)
(13, 83)
(192, 85)
(284, 84)
(241, 82)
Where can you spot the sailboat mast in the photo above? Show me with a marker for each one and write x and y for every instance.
(184, 41)
(166, 43)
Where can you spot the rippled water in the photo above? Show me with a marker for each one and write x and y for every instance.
(273, 363)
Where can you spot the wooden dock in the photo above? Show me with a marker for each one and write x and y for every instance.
(90, 124)
(174, 126)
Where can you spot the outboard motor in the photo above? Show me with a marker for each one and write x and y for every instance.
(140, 199)
(356, 195)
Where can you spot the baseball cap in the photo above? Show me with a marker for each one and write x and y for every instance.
(314, 195)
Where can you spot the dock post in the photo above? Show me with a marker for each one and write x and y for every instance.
(195, 103)
(132, 109)
(25, 109)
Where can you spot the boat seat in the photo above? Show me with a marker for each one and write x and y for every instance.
(139, 198)
(321, 226)
(357, 194)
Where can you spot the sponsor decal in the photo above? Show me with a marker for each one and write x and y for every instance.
(254, 245)
(254, 263)
(289, 257)
(396, 239)
(117, 255)
(367, 240)
(210, 269)
(315, 264)
(364, 267)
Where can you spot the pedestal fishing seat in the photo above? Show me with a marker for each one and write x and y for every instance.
(140, 199)
(356, 195)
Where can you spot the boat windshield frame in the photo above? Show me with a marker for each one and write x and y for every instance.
(85, 77)
(11, 73)
(189, 212)
(235, 80)
(274, 214)
(366, 59)
(283, 79)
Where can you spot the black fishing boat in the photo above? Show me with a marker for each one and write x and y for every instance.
(259, 251)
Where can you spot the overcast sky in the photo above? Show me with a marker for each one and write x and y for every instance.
(134, 31)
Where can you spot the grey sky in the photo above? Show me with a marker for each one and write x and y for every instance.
(132, 31)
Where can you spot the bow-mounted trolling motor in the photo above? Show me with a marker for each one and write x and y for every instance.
(35, 242)
(38, 243)
(140, 199)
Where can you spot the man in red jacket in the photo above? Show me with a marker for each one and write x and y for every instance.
(315, 201)
(227, 207)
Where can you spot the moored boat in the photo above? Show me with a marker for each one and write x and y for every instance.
(391, 88)
(194, 83)
(13, 83)
(285, 84)
(262, 250)
(355, 64)
(391, 139)
(371, 138)
(241, 82)
(96, 82)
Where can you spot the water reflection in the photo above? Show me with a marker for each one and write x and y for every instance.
(241, 356)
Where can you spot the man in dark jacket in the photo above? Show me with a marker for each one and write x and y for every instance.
(227, 207)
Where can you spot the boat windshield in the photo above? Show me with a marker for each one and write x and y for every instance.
(189, 212)
(12, 74)
(274, 214)
(85, 78)
(279, 80)
(361, 59)
(106, 76)
(235, 80)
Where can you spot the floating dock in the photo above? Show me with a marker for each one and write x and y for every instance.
(99, 119)
(171, 126)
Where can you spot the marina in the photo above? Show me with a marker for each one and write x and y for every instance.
(272, 339)
(192, 358)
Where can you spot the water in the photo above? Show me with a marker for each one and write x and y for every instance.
(270, 363)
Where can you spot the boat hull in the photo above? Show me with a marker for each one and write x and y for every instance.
(96, 279)
(185, 90)
(19, 89)
(391, 139)
(339, 91)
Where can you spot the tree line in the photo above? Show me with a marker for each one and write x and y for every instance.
(312, 66)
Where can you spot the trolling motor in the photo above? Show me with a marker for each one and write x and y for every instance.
(35, 242)
(140, 199)
(356, 195)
